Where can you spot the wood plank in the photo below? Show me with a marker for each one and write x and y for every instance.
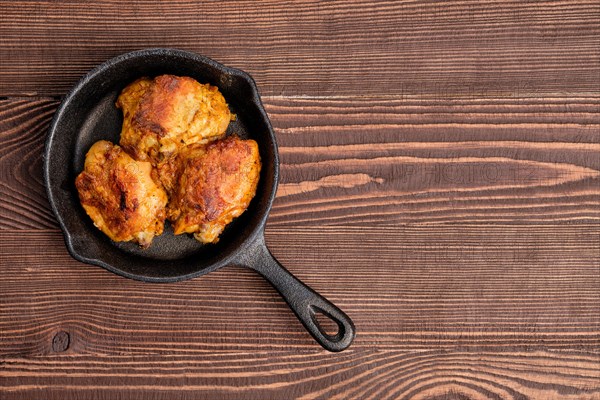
(407, 288)
(357, 373)
(382, 161)
(424, 49)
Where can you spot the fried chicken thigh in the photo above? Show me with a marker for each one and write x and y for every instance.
(168, 112)
(172, 162)
(120, 195)
(210, 185)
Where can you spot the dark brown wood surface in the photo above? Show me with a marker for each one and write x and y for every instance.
(440, 182)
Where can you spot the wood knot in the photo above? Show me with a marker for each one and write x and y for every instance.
(61, 341)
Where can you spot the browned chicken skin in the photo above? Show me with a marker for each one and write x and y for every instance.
(210, 185)
(173, 127)
(163, 114)
(120, 195)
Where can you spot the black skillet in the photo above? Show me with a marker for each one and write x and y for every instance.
(88, 114)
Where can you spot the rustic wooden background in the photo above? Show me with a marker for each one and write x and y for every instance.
(440, 183)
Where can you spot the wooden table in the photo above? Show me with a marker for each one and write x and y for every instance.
(440, 182)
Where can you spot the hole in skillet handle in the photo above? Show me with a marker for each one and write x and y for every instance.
(329, 327)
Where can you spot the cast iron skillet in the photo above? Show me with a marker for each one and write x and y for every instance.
(88, 114)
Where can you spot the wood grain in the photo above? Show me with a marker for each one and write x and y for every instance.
(23, 128)
(358, 373)
(482, 286)
(510, 311)
(424, 49)
(409, 162)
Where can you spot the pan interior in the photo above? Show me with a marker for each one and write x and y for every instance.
(89, 114)
(103, 121)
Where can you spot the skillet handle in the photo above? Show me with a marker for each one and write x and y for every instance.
(305, 302)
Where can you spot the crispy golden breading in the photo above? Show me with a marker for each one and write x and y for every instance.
(120, 195)
(168, 112)
(210, 185)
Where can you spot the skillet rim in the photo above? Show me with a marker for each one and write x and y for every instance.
(257, 232)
